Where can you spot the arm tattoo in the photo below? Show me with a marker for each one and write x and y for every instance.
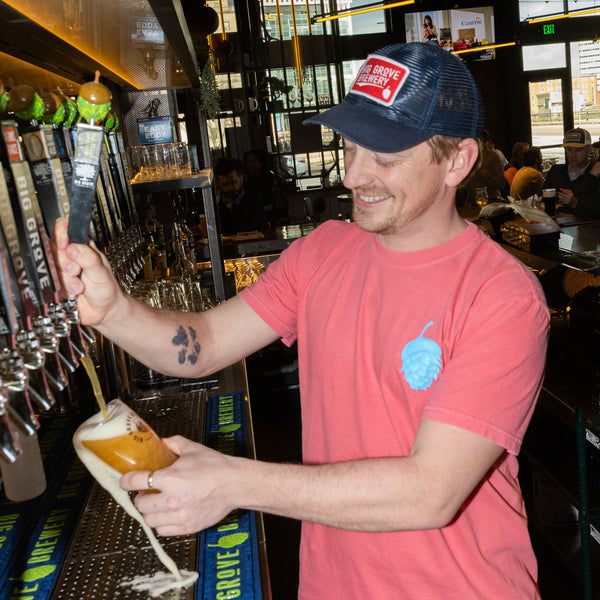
(190, 347)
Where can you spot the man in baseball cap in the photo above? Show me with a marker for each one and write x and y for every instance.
(576, 182)
(421, 347)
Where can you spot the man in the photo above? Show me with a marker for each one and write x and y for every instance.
(421, 348)
(576, 182)
(239, 207)
(267, 183)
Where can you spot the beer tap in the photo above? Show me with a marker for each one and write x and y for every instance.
(14, 379)
(62, 328)
(44, 329)
(10, 448)
(77, 336)
(29, 347)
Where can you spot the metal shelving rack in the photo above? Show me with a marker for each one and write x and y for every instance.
(202, 181)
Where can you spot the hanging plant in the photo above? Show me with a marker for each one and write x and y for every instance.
(209, 92)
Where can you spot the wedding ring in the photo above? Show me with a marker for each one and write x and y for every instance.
(150, 482)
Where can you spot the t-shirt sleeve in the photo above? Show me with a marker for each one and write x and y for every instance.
(275, 296)
(492, 379)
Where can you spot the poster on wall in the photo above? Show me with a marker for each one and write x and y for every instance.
(156, 130)
(453, 29)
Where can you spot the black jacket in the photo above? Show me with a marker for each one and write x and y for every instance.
(585, 188)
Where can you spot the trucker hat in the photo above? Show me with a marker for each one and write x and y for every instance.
(577, 138)
(405, 94)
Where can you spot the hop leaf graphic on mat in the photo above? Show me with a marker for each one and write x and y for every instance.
(35, 573)
(230, 541)
(421, 361)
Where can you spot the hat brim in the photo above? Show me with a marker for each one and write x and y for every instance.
(575, 145)
(369, 130)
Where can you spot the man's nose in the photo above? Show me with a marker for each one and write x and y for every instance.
(357, 171)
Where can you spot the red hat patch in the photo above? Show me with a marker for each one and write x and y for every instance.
(380, 79)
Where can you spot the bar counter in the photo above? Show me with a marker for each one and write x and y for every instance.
(74, 541)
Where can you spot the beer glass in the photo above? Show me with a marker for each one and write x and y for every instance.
(481, 196)
(123, 440)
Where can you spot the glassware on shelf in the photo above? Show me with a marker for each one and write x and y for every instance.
(158, 162)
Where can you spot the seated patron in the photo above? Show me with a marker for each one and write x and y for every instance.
(515, 162)
(488, 174)
(239, 208)
(528, 179)
(576, 182)
(260, 177)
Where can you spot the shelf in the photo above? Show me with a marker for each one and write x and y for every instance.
(202, 180)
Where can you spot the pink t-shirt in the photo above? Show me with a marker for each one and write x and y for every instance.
(455, 333)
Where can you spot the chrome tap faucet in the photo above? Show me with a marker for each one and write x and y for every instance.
(14, 380)
(10, 449)
(29, 347)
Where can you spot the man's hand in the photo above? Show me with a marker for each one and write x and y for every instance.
(195, 492)
(86, 273)
(566, 197)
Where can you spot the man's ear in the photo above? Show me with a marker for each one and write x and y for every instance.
(461, 163)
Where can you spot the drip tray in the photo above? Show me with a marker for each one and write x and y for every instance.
(108, 546)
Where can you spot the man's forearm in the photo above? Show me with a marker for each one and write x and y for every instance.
(421, 491)
(168, 341)
(186, 344)
(368, 495)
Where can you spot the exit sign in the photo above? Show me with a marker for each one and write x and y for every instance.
(548, 29)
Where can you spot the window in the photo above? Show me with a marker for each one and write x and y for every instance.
(544, 56)
(529, 9)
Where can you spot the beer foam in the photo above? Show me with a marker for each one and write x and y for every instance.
(104, 429)
(159, 583)
(109, 478)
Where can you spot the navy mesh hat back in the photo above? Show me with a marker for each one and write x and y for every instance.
(403, 95)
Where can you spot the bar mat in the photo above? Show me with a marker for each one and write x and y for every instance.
(228, 562)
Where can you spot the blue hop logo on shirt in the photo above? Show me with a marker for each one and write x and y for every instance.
(421, 361)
